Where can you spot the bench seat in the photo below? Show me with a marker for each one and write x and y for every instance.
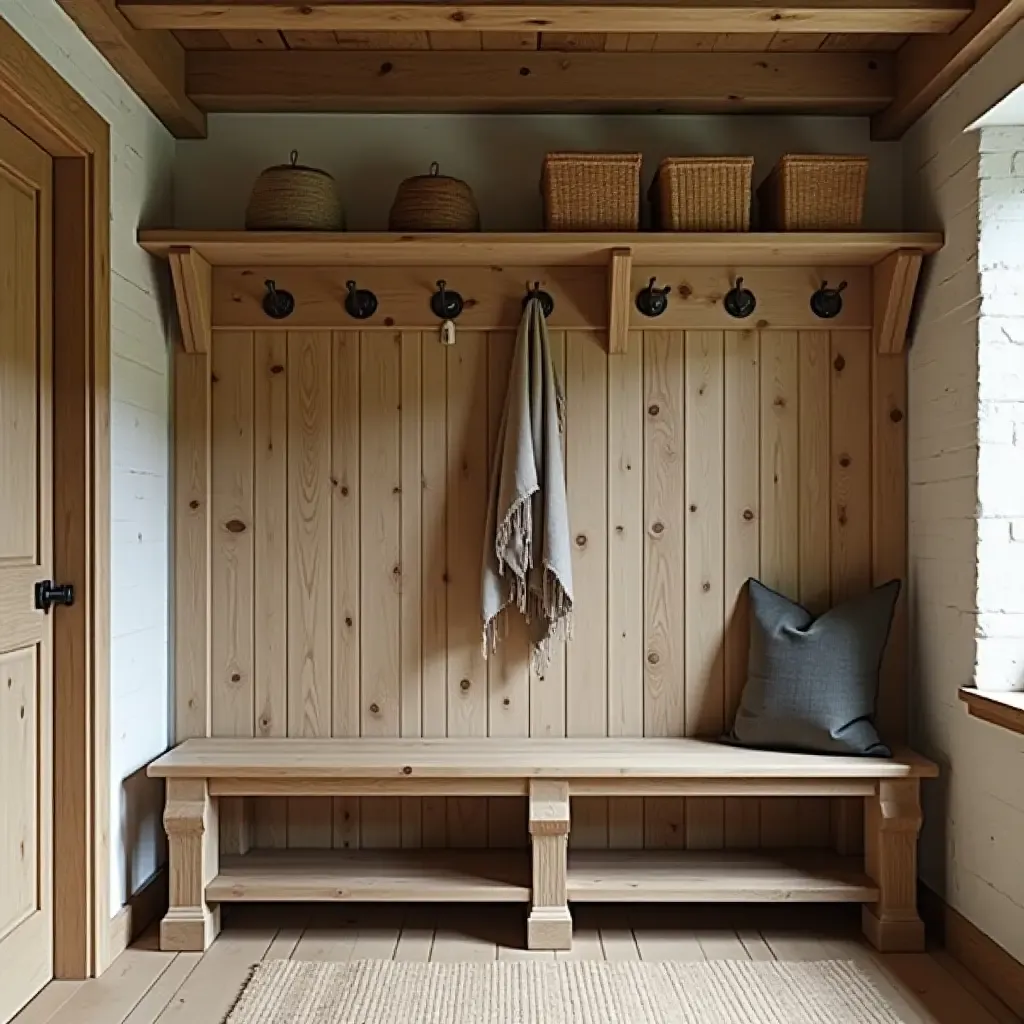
(548, 772)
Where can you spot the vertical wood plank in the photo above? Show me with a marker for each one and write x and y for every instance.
(411, 579)
(815, 586)
(270, 537)
(664, 602)
(434, 558)
(380, 575)
(586, 657)
(508, 667)
(467, 509)
(547, 691)
(309, 565)
(889, 529)
(851, 568)
(742, 517)
(626, 572)
(704, 566)
(232, 611)
(780, 512)
(346, 603)
(192, 537)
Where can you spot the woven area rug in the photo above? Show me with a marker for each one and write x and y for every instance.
(560, 992)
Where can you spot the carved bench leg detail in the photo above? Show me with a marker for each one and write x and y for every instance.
(190, 820)
(892, 821)
(550, 924)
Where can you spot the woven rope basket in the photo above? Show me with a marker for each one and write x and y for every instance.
(814, 193)
(699, 193)
(591, 191)
(290, 197)
(434, 202)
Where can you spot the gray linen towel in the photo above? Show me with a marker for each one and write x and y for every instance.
(527, 550)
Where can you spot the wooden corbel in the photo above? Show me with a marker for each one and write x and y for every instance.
(620, 271)
(893, 282)
(193, 293)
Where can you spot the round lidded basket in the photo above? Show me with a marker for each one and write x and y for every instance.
(290, 197)
(434, 202)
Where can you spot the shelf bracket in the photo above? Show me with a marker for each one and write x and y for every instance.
(193, 294)
(620, 272)
(893, 282)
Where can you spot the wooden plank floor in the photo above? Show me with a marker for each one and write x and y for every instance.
(145, 986)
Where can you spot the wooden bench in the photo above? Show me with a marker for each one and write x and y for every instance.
(549, 773)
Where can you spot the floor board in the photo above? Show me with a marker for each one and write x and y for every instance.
(145, 986)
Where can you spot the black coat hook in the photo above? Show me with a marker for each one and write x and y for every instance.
(278, 304)
(547, 303)
(739, 302)
(828, 302)
(652, 301)
(360, 303)
(445, 304)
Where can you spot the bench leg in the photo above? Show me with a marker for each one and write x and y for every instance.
(892, 821)
(549, 925)
(190, 819)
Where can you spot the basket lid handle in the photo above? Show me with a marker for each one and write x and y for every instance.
(435, 169)
(294, 157)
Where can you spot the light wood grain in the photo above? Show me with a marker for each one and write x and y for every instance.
(704, 624)
(1002, 709)
(380, 559)
(309, 545)
(193, 293)
(620, 294)
(794, 249)
(566, 25)
(742, 556)
(270, 539)
(346, 598)
(780, 557)
(664, 600)
(893, 282)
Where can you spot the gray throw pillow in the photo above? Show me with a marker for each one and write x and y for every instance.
(812, 682)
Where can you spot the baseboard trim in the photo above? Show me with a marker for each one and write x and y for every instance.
(144, 908)
(999, 972)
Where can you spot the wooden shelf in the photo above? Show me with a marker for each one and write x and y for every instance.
(432, 876)
(716, 876)
(241, 248)
(996, 708)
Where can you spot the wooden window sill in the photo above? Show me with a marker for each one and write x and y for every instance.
(1002, 709)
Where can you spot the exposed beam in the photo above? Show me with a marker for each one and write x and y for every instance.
(553, 15)
(927, 68)
(152, 63)
(294, 80)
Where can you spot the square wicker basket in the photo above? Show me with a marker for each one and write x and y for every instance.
(814, 193)
(591, 191)
(702, 193)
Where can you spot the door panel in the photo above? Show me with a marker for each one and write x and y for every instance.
(26, 683)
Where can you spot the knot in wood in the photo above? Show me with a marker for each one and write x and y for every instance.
(406, 770)
(653, 658)
(844, 460)
(465, 685)
(374, 709)
(581, 540)
(840, 363)
(693, 508)
(236, 677)
(348, 621)
(653, 410)
(506, 702)
(193, 504)
(235, 526)
(389, 321)
(706, 587)
(896, 415)
(748, 514)
(657, 528)
(277, 368)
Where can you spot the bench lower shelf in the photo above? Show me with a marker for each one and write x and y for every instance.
(503, 876)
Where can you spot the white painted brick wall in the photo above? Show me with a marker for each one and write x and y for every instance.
(142, 158)
(966, 497)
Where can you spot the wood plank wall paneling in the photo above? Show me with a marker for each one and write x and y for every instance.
(349, 487)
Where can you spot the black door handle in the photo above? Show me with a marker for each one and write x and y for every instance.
(49, 593)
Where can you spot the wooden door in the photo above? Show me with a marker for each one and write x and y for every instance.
(26, 675)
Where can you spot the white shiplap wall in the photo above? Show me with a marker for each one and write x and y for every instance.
(142, 159)
(960, 483)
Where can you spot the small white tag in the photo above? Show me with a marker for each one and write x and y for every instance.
(448, 332)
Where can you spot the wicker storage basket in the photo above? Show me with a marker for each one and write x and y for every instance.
(702, 193)
(591, 191)
(434, 202)
(814, 193)
(290, 197)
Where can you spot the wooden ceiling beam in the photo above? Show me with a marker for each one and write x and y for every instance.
(152, 63)
(870, 16)
(927, 68)
(422, 81)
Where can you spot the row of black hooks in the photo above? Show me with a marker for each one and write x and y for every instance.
(361, 303)
(739, 302)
